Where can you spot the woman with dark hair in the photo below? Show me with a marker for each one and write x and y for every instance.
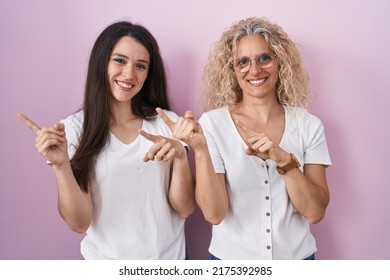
(121, 177)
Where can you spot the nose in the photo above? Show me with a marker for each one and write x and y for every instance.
(254, 68)
(128, 71)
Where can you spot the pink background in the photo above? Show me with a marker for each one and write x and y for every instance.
(44, 47)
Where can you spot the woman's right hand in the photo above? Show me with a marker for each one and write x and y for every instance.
(186, 129)
(50, 141)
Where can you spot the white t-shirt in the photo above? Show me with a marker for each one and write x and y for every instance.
(132, 216)
(261, 222)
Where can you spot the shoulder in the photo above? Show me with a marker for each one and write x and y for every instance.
(75, 119)
(308, 126)
(215, 116)
(74, 125)
(217, 123)
(302, 117)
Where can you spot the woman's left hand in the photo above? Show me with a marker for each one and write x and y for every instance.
(163, 148)
(260, 145)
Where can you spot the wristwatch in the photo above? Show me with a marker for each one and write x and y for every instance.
(294, 163)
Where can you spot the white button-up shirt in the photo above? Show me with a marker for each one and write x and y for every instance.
(261, 222)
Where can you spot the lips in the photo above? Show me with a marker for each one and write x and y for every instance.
(124, 85)
(257, 82)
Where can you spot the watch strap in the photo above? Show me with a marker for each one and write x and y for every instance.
(294, 163)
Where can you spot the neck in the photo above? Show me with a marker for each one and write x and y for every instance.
(261, 110)
(121, 113)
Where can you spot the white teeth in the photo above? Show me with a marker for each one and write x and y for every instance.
(125, 85)
(257, 82)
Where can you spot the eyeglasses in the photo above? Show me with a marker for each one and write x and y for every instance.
(244, 63)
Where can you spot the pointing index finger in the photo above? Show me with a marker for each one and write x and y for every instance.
(246, 129)
(148, 136)
(165, 118)
(33, 126)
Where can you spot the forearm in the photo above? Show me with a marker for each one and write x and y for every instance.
(181, 190)
(308, 198)
(210, 190)
(74, 205)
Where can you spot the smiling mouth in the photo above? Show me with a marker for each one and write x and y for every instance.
(257, 82)
(124, 85)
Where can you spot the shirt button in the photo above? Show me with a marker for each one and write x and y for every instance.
(267, 197)
(268, 214)
(266, 181)
(268, 247)
(267, 230)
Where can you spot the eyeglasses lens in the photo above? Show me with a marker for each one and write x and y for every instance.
(243, 64)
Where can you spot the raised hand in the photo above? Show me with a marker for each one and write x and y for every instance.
(186, 129)
(163, 148)
(50, 141)
(260, 145)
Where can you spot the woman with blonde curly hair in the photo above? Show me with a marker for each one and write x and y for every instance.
(221, 87)
(260, 155)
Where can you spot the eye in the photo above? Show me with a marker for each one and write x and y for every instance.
(142, 66)
(264, 58)
(120, 60)
(241, 61)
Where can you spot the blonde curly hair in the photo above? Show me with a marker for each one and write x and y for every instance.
(220, 86)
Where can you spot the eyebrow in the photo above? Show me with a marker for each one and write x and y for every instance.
(268, 53)
(124, 56)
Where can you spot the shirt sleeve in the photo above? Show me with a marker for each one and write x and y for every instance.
(73, 128)
(316, 148)
(208, 129)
